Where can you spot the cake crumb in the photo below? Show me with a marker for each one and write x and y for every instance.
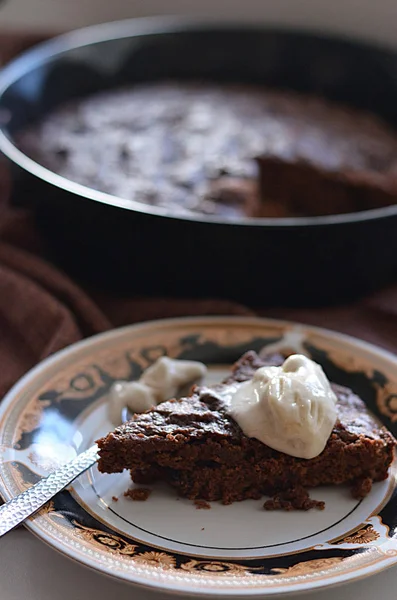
(202, 529)
(115, 499)
(296, 498)
(202, 504)
(138, 494)
(362, 488)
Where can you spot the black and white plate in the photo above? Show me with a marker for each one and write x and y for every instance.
(59, 408)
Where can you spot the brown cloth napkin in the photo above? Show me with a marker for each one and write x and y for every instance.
(42, 310)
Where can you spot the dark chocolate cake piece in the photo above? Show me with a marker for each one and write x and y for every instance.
(197, 447)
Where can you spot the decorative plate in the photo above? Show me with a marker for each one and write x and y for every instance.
(59, 408)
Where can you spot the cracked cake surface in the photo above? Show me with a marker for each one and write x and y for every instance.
(192, 148)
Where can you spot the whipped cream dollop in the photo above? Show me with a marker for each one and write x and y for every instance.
(291, 408)
(160, 382)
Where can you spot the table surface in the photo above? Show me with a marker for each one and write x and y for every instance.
(31, 569)
(373, 20)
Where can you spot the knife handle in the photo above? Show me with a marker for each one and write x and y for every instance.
(16, 510)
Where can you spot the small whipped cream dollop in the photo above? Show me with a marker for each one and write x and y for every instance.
(291, 408)
(160, 382)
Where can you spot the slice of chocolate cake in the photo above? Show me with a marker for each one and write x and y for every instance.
(197, 447)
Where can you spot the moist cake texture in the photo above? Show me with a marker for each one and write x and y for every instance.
(197, 447)
(224, 150)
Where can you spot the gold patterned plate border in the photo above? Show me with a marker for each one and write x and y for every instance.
(72, 376)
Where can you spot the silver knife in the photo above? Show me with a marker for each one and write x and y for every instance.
(16, 510)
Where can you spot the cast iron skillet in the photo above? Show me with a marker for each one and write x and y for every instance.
(127, 247)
